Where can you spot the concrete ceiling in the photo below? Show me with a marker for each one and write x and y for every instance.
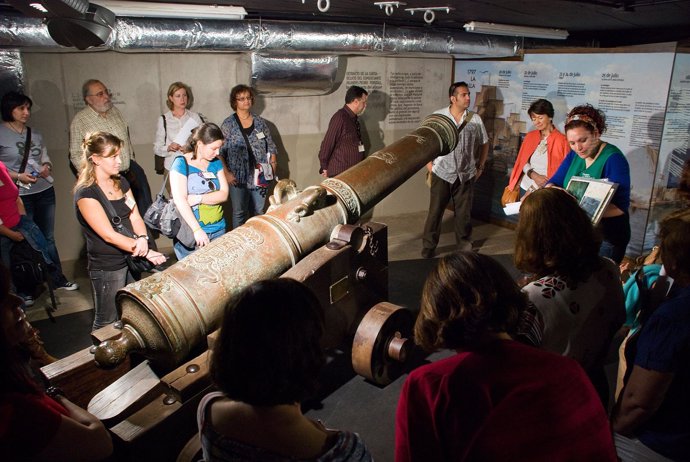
(595, 22)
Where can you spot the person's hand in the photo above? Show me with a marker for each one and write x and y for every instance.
(174, 147)
(201, 237)
(141, 247)
(540, 180)
(17, 236)
(45, 171)
(232, 179)
(480, 170)
(324, 173)
(156, 258)
(193, 199)
(26, 178)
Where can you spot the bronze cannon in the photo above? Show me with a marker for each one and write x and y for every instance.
(167, 314)
(169, 318)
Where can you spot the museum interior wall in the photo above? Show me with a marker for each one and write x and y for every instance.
(402, 91)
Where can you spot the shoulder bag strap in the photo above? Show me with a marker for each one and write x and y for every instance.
(27, 149)
(112, 215)
(165, 127)
(470, 114)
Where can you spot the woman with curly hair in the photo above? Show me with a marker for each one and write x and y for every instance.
(496, 398)
(577, 302)
(593, 158)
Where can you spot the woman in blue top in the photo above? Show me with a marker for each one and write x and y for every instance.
(593, 158)
(199, 187)
(248, 142)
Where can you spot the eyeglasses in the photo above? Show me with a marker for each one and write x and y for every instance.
(245, 98)
(102, 93)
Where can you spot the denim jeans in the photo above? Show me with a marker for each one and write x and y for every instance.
(181, 251)
(37, 240)
(104, 287)
(246, 203)
(40, 208)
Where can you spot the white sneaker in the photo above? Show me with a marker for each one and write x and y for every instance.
(70, 286)
(28, 300)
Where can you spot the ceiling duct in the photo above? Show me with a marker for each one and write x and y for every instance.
(294, 75)
(72, 23)
(142, 34)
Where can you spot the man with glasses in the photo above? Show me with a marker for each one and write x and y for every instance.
(342, 146)
(100, 115)
(453, 175)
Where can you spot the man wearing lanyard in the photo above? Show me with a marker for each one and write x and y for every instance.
(342, 146)
(453, 175)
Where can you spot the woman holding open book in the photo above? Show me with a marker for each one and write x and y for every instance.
(591, 157)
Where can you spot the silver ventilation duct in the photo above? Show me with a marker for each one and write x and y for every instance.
(287, 58)
(135, 34)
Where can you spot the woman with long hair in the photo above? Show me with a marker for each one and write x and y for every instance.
(35, 426)
(199, 187)
(496, 398)
(106, 248)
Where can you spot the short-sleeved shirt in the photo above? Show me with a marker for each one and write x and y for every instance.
(461, 163)
(28, 422)
(87, 121)
(102, 255)
(209, 217)
(9, 213)
(664, 346)
(12, 155)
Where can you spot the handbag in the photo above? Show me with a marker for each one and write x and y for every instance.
(510, 195)
(163, 216)
(137, 265)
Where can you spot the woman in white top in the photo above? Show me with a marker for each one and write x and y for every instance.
(180, 98)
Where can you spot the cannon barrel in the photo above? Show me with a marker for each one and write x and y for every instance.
(168, 314)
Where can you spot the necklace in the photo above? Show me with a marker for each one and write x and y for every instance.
(14, 129)
(249, 114)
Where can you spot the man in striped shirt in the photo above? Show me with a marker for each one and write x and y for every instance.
(342, 146)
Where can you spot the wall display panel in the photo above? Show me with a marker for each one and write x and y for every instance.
(633, 97)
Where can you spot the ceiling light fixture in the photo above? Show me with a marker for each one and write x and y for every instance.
(388, 6)
(172, 10)
(522, 31)
(429, 14)
(38, 6)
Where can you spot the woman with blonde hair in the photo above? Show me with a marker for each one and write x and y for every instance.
(199, 187)
(179, 99)
(106, 248)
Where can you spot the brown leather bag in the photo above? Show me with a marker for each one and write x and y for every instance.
(510, 195)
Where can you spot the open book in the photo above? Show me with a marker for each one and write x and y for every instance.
(593, 195)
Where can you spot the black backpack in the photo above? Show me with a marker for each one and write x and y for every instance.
(27, 266)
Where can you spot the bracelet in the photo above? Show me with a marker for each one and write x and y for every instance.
(142, 236)
(196, 229)
(54, 392)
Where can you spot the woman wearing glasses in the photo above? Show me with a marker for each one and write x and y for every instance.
(541, 152)
(199, 187)
(250, 156)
